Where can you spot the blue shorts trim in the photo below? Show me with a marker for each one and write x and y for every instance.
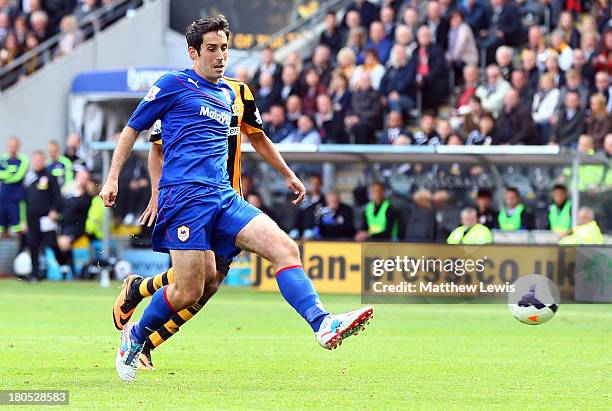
(199, 217)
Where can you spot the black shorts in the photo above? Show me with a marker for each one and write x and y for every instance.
(223, 264)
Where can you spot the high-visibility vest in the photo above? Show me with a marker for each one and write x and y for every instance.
(95, 218)
(377, 223)
(513, 222)
(560, 220)
(477, 234)
(588, 233)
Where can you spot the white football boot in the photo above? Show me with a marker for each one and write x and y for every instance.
(336, 328)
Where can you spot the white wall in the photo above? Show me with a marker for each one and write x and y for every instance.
(36, 110)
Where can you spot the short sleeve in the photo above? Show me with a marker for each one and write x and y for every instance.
(156, 103)
(251, 119)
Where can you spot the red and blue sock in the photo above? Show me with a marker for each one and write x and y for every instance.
(154, 316)
(298, 291)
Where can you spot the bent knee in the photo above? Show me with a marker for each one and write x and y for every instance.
(189, 296)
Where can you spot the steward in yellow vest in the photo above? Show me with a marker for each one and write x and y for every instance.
(514, 216)
(379, 218)
(470, 232)
(586, 232)
(560, 211)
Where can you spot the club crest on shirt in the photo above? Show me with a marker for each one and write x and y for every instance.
(227, 95)
(183, 233)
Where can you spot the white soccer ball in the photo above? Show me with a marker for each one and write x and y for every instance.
(533, 314)
(122, 270)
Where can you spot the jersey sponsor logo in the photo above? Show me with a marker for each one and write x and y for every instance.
(152, 93)
(190, 80)
(183, 233)
(233, 131)
(222, 118)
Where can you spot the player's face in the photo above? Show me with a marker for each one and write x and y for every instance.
(211, 61)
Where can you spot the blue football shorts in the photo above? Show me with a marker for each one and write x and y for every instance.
(199, 217)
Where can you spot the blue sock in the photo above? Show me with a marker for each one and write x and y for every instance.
(298, 291)
(155, 315)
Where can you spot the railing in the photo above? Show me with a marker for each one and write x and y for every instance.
(91, 26)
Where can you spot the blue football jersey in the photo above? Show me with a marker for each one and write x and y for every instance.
(196, 116)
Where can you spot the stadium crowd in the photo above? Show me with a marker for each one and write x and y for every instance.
(26, 24)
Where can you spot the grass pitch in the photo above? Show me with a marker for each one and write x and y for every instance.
(249, 350)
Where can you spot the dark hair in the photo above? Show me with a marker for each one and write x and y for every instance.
(380, 184)
(514, 190)
(198, 28)
(429, 113)
(484, 193)
(456, 12)
(561, 187)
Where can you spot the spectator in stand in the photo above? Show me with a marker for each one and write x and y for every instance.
(134, 190)
(514, 124)
(552, 68)
(487, 216)
(603, 60)
(267, 94)
(469, 84)
(38, 59)
(410, 19)
(365, 114)
(405, 39)
(564, 51)
(5, 26)
(306, 132)
(567, 26)
(377, 42)
(85, 8)
(71, 36)
(421, 226)
(438, 25)
(276, 126)
(290, 83)
(514, 215)
(347, 62)
(368, 12)
(503, 58)
(586, 70)
(332, 220)
(380, 220)
(472, 117)
(544, 103)
(395, 85)
(573, 82)
(20, 28)
(428, 65)
(444, 130)
(599, 122)
(475, 14)
(332, 35)
(504, 27)
(255, 200)
(601, 12)
(492, 93)
(329, 122)
(352, 20)
(603, 87)
(340, 93)
(11, 49)
(462, 50)
(394, 130)
(321, 62)
(372, 67)
(40, 26)
(294, 59)
(427, 135)
(589, 46)
(569, 121)
(387, 18)
(530, 66)
(485, 134)
(356, 41)
(242, 74)
(536, 43)
(455, 140)
(267, 65)
(519, 83)
(7, 6)
(76, 200)
(294, 110)
(313, 89)
(470, 231)
(59, 166)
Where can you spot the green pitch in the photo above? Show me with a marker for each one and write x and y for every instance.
(248, 350)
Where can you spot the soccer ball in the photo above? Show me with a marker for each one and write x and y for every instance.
(533, 314)
(534, 300)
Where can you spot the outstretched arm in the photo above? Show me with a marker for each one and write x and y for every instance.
(122, 151)
(155, 162)
(268, 151)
